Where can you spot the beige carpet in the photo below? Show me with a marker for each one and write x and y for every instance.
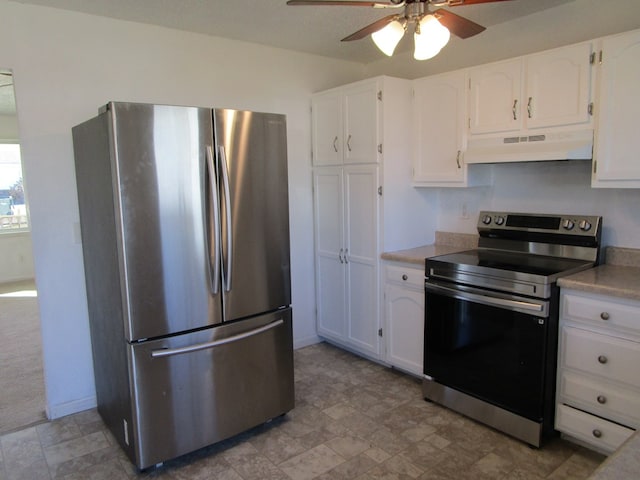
(22, 398)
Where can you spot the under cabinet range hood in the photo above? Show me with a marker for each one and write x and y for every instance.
(571, 145)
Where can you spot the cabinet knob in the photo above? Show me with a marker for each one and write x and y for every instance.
(597, 433)
(404, 277)
(602, 359)
(602, 399)
(604, 316)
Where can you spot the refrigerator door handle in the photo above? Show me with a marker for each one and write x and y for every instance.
(166, 352)
(214, 270)
(227, 212)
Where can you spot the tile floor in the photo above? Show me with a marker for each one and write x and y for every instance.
(353, 420)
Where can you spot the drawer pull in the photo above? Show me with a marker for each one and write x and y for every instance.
(604, 316)
(602, 359)
(597, 433)
(404, 277)
(602, 399)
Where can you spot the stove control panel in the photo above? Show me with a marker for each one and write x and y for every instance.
(581, 225)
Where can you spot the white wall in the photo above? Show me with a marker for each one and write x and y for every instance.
(65, 66)
(544, 187)
(565, 24)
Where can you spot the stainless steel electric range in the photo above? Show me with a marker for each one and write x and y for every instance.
(491, 318)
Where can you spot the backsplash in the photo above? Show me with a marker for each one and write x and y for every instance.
(543, 187)
(624, 257)
(462, 240)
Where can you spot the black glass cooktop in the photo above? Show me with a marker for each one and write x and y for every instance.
(513, 262)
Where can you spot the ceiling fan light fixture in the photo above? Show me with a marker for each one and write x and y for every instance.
(430, 36)
(387, 38)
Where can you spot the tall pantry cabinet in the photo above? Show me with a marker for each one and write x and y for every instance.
(363, 204)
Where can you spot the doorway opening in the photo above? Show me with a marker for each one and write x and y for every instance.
(22, 402)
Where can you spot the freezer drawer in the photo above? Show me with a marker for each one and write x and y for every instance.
(196, 389)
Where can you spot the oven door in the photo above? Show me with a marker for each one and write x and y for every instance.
(489, 345)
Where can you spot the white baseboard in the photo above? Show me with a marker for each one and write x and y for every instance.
(306, 341)
(69, 408)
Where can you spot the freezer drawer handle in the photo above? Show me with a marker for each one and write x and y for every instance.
(165, 352)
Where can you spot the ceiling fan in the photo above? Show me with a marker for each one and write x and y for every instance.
(432, 27)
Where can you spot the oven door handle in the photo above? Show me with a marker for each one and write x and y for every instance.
(484, 299)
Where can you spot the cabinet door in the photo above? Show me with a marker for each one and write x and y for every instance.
(618, 110)
(439, 123)
(361, 123)
(558, 87)
(326, 122)
(329, 239)
(404, 309)
(495, 97)
(361, 221)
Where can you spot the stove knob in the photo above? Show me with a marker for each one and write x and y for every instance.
(568, 224)
(499, 220)
(486, 219)
(584, 225)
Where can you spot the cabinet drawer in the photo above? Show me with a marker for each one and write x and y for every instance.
(601, 398)
(605, 436)
(598, 311)
(405, 276)
(613, 358)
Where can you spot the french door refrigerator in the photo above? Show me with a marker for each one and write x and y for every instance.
(185, 237)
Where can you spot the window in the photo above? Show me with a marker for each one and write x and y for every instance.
(13, 209)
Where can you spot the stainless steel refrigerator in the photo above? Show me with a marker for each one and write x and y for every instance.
(185, 238)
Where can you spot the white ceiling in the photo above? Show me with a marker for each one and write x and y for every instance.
(310, 29)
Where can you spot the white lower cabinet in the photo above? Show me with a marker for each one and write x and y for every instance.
(598, 389)
(404, 317)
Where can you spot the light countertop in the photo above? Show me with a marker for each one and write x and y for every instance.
(619, 277)
(446, 243)
(419, 254)
(614, 280)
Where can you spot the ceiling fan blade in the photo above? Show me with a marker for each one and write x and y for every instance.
(458, 3)
(369, 29)
(459, 26)
(341, 4)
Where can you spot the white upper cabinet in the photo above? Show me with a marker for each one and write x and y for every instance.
(558, 87)
(327, 128)
(547, 90)
(360, 103)
(615, 161)
(439, 131)
(345, 125)
(495, 98)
